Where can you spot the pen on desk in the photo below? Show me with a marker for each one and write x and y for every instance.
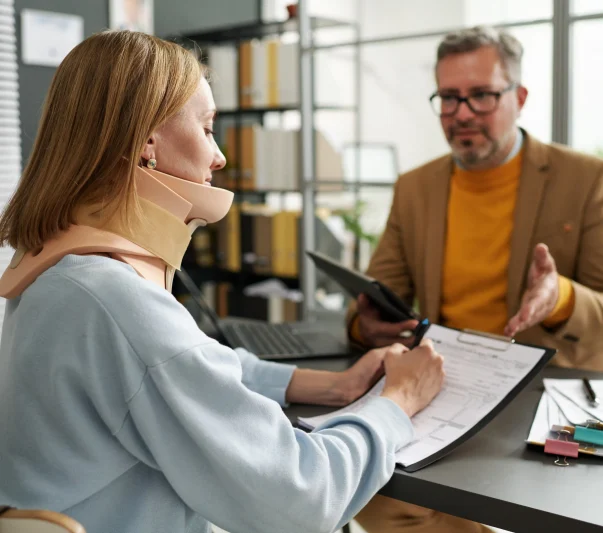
(590, 393)
(420, 331)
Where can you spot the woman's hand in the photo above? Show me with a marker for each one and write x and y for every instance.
(338, 388)
(413, 379)
(358, 379)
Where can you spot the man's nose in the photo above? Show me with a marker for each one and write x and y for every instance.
(464, 112)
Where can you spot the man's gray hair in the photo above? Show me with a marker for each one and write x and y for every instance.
(508, 47)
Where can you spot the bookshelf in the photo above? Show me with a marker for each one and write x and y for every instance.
(242, 115)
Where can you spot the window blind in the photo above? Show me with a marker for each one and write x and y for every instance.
(10, 126)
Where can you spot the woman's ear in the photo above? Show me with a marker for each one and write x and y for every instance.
(148, 151)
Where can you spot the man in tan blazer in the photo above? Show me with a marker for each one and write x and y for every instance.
(505, 235)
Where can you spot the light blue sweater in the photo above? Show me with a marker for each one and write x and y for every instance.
(117, 410)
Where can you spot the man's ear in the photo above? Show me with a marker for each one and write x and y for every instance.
(522, 96)
(148, 151)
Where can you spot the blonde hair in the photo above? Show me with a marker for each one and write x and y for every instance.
(106, 98)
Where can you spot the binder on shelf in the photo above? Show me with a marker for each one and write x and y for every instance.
(222, 243)
(245, 74)
(264, 76)
(291, 165)
(288, 74)
(203, 247)
(262, 159)
(291, 248)
(232, 158)
(248, 158)
(279, 243)
(259, 74)
(262, 246)
(483, 375)
(269, 159)
(223, 62)
(248, 255)
(272, 74)
(233, 236)
(222, 291)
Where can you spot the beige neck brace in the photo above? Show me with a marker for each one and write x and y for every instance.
(172, 209)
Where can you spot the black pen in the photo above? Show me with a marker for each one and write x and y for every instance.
(590, 393)
(420, 331)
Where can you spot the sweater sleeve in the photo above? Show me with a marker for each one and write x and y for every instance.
(230, 453)
(233, 456)
(564, 306)
(267, 378)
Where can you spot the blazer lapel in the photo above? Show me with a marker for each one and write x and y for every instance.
(435, 236)
(532, 182)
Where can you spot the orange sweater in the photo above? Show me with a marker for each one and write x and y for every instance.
(478, 246)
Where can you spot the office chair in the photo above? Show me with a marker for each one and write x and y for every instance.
(36, 521)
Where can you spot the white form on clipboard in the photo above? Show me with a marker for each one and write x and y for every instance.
(483, 374)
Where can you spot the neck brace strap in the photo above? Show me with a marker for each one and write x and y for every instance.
(81, 240)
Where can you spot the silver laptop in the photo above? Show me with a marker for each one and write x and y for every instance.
(290, 340)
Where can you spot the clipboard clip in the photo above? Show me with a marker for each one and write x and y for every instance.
(507, 341)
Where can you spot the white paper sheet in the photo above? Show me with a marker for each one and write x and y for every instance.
(547, 415)
(480, 373)
(48, 37)
(571, 398)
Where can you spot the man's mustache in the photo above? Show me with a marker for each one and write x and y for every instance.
(455, 128)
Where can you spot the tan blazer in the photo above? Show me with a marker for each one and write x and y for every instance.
(559, 203)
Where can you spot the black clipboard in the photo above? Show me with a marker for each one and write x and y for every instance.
(533, 373)
(392, 307)
(522, 384)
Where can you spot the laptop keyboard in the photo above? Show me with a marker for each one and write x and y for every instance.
(266, 339)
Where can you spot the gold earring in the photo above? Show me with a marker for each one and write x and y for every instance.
(152, 163)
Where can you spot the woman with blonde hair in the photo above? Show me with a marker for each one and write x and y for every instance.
(116, 409)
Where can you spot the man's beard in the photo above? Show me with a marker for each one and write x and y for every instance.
(473, 157)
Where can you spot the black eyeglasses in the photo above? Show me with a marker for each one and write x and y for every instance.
(481, 102)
